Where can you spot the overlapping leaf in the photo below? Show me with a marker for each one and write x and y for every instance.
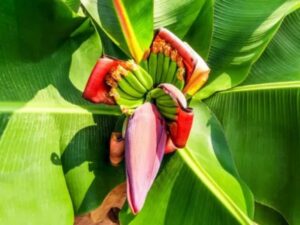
(261, 122)
(50, 163)
(266, 215)
(73, 4)
(262, 127)
(242, 30)
(119, 21)
(177, 16)
(200, 32)
(280, 61)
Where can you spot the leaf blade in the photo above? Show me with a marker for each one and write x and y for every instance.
(43, 116)
(281, 58)
(234, 49)
(127, 29)
(118, 19)
(267, 121)
(200, 33)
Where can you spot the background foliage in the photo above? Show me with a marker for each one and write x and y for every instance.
(53, 143)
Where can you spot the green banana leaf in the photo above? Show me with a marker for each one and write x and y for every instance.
(118, 21)
(177, 16)
(73, 4)
(266, 116)
(280, 61)
(53, 143)
(268, 216)
(262, 128)
(200, 32)
(242, 31)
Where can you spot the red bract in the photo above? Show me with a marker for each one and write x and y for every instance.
(197, 69)
(117, 148)
(96, 89)
(179, 129)
(170, 147)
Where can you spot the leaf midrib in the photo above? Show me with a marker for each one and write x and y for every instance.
(214, 187)
(21, 107)
(264, 86)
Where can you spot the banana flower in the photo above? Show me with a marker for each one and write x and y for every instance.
(153, 95)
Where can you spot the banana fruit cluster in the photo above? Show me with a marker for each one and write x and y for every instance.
(129, 84)
(164, 64)
(164, 102)
(168, 99)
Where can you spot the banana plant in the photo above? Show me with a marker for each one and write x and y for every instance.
(233, 160)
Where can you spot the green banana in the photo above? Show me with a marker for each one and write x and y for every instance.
(168, 102)
(169, 110)
(166, 66)
(156, 93)
(128, 89)
(129, 104)
(179, 84)
(168, 107)
(134, 82)
(144, 78)
(124, 100)
(152, 66)
(144, 64)
(169, 116)
(160, 64)
(179, 78)
(171, 72)
(123, 94)
(166, 114)
(165, 97)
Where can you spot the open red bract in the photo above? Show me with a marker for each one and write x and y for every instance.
(97, 90)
